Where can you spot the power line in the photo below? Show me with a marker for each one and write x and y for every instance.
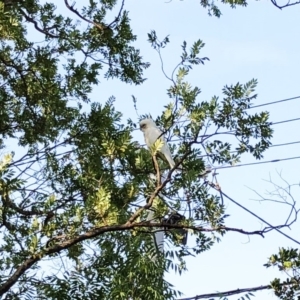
(255, 106)
(256, 216)
(232, 131)
(284, 144)
(275, 145)
(264, 104)
(285, 121)
(274, 102)
(270, 123)
(258, 163)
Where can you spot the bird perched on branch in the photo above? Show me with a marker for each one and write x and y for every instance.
(151, 134)
(180, 234)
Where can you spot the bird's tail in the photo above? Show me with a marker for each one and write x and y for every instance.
(158, 238)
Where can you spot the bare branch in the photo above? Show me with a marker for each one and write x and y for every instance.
(118, 16)
(288, 4)
(228, 293)
(267, 229)
(285, 197)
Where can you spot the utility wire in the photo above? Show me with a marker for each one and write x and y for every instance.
(284, 144)
(255, 106)
(232, 131)
(256, 216)
(276, 145)
(271, 146)
(258, 163)
(285, 121)
(270, 123)
(274, 102)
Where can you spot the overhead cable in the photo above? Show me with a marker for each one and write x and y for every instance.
(259, 218)
(257, 163)
(285, 144)
(274, 102)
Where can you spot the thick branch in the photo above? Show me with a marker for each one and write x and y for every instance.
(198, 228)
(94, 233)
(235, 292)
(228, 293)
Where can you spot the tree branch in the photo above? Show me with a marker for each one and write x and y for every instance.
(228, 293)
(271, 227)
(285, 5)
(235, 292)
(76, 12)
(94, 232)
(36, 26)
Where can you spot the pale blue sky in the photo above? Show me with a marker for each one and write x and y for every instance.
(260, 42)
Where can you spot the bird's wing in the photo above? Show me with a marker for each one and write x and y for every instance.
(151, 135)
(165, 150)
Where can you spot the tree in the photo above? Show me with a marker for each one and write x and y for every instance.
(75, 192)
(213, 8)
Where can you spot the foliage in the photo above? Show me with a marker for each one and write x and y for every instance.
(213, 9)
(213, 6)
(288, 261)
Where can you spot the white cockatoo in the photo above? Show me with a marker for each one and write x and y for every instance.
(158, 235)
(151, 134)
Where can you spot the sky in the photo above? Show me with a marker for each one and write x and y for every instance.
(260, 42)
